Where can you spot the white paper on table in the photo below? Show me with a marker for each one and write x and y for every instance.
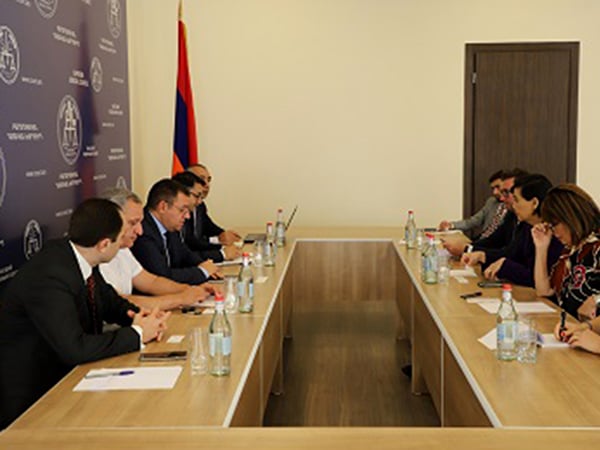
(489, 339)
(483, 300)
(141, 378)
(461, 280)
(261, 279)
(548, 340)
(467, 272)
(491, 305)
(175, 339)
(402, 242)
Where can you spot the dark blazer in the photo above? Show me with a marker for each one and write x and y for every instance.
(496, 244)
(207, 227)
(149, 249)
(46, 327)
(520, 257)
(196, 241)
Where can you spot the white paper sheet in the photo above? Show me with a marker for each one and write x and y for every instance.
(466, 272)
(549, 341)
(491, 305)
(545, 340)
(233, 262)
(142, 378)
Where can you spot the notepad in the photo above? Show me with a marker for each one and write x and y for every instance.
(544, 340)
(142, 378)
(491, 305)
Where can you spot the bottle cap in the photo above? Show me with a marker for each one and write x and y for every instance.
(219, 297)
(429, 235)
(506, 287)
(410, 211)
(245, 255)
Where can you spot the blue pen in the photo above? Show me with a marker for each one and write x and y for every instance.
(110, 374)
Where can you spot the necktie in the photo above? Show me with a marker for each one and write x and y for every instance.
(91, 297)
(167, 254)
(496, 221)
(194, 223)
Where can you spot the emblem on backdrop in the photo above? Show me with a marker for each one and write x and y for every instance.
(47, 8)
(121, 183)
(9, 55)
(96, 74)
(114, 16)
(68, 129)
(2, 177)
(32, 239)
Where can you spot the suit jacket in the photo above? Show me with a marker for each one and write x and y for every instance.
(46, 326)
(496, 244)
(149, 249)
(207, 227)
(196, 241)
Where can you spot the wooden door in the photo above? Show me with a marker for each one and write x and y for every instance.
(520, 111)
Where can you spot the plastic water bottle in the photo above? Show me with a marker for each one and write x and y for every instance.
(246, 286)
(506, 326)
(429, 270)
(280, 229)
(219, 340)
(270, 249)
(410, 231)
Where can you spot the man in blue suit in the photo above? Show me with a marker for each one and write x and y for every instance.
(160, 249)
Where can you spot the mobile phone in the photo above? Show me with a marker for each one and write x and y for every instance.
(489, 284)
(164, 356)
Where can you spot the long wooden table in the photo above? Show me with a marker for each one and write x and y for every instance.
(468, 386)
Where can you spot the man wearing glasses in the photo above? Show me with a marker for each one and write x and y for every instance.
(192, 229)
(160, 249)
(209, 230)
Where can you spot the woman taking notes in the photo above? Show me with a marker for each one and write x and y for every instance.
(574, 218)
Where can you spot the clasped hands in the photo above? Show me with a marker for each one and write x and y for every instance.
(152, 322)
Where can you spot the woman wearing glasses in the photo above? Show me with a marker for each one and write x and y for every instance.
(573, 217)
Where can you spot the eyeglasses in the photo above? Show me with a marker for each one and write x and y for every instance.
(197, 195)
(181, 209)
(552, 226)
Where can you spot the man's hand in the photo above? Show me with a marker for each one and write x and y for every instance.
(455, 244)
(470, 259)
(153, 323)
(492, 271)
(212, 269)
(228, 237)
(231, 252)
(445, 225)
(194, 294)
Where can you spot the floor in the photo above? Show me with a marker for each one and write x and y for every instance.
(343, 368)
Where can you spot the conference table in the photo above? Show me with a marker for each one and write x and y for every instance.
(556, 400)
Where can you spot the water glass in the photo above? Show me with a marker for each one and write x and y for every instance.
(259, 251)
(526, 340)
(443, 266)
(198, 351)
(231, 295)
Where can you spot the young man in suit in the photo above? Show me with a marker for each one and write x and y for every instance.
(52, 311)
(160, 249)
(207, 228)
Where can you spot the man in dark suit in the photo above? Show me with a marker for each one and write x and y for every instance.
(160, 249)
(52, 311)
(207, 228)
(192, 228)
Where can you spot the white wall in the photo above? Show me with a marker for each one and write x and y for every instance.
(351, 108)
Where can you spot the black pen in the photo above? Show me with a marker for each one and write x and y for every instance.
(471, 295)
(563, 328)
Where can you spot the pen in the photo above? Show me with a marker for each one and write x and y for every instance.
(563, 317)
(473, 294)
(110, 374)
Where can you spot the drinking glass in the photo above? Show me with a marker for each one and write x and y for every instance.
(198, 351)
(526, 340)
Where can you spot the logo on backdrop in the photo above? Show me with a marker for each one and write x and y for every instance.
(47, 8)
(2, 177)
(121, 183)
(114, 15)
(9, 55)
(96, 74)
(68, 129)
(32, 239)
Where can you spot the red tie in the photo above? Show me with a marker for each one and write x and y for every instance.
(91, 296)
